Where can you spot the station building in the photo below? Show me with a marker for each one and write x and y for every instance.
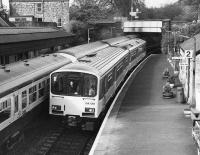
(18, 44)
(56, 11)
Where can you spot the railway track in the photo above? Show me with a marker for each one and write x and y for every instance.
(62, 141)
(53, 137)
(45, 136)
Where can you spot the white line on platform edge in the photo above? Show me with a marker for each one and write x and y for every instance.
(112, 105)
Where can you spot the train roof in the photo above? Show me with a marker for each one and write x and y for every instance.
(17, 74)
(132, 43)
(77, 66)
(99, 63)
(105, 59)
(85, 49)
(82, 50)
(116, 40)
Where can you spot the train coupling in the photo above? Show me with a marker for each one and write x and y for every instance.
(72, 121)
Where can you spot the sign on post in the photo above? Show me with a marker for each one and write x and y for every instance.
(177, 58)
(189, 53)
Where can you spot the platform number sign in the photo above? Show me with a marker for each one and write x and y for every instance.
(188, 53)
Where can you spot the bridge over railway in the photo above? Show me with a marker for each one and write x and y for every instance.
(150, 30)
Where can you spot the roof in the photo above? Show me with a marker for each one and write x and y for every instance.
(82, 50)
(20, 73)
(79, 67)
(85, 49)
(101, 61)
(36, 0)
(117, 40)
(11, 35)
(189, 44)
(132, 43)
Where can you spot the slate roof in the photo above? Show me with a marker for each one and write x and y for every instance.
(189, 44)
(13, 35)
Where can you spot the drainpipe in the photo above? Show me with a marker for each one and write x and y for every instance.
(43, 10)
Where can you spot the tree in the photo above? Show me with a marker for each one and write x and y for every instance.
(86, 10)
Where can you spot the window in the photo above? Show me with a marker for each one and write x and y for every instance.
(32, 94)
(102, 88)
(90, 85)
(133, 55)
(110, 80)
(126, 60)
(140, 49)
(59, 22)
(39, 7)
(5, 110)
(2, 60)
(39, 19)
(74, 84)
(24, 99)
(41, 89)
(16, 104)
(48, 81)
(119, 69)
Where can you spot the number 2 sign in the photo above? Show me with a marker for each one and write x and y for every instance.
(188, 53)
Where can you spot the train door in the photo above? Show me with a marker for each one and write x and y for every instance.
(24, 101)
(102, 102)
(16, 108)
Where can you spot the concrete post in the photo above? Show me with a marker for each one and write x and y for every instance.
(192, 77)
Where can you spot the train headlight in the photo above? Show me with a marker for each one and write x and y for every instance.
(56, 107)
(91, 110)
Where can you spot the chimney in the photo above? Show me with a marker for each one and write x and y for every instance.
(1, 4)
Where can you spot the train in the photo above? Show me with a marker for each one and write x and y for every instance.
(82, 89)
(25, 85)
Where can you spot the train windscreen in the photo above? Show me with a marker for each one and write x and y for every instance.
(74, 84)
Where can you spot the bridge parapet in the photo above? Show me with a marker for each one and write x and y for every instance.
(146, 26)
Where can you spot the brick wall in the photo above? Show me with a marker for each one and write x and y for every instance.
(51, 11)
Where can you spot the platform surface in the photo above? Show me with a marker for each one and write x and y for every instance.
(143, 123)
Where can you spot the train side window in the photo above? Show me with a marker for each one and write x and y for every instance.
(119, 69)
(24, 99)
(5, 110)
(48, 81)
(126, 61)
(110, 80)
(32, 94)
(102, 88)
(140, 49)
(41, 89)
(16, 102)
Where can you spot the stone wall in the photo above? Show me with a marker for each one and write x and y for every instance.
(51, 11)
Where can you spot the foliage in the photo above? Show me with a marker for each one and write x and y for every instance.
(190, 2)
(79, 28)
(170, 11)
(86, 10)
(100, 9)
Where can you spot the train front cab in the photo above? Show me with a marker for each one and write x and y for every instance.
(74, 94)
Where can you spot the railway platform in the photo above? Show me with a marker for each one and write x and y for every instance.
(143, 123)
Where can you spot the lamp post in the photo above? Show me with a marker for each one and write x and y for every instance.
(192, 73)
(89, 34)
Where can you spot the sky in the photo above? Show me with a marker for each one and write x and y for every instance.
(149, 3)
(158, 3)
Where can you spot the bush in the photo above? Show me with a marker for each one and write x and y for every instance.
(80, 30)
